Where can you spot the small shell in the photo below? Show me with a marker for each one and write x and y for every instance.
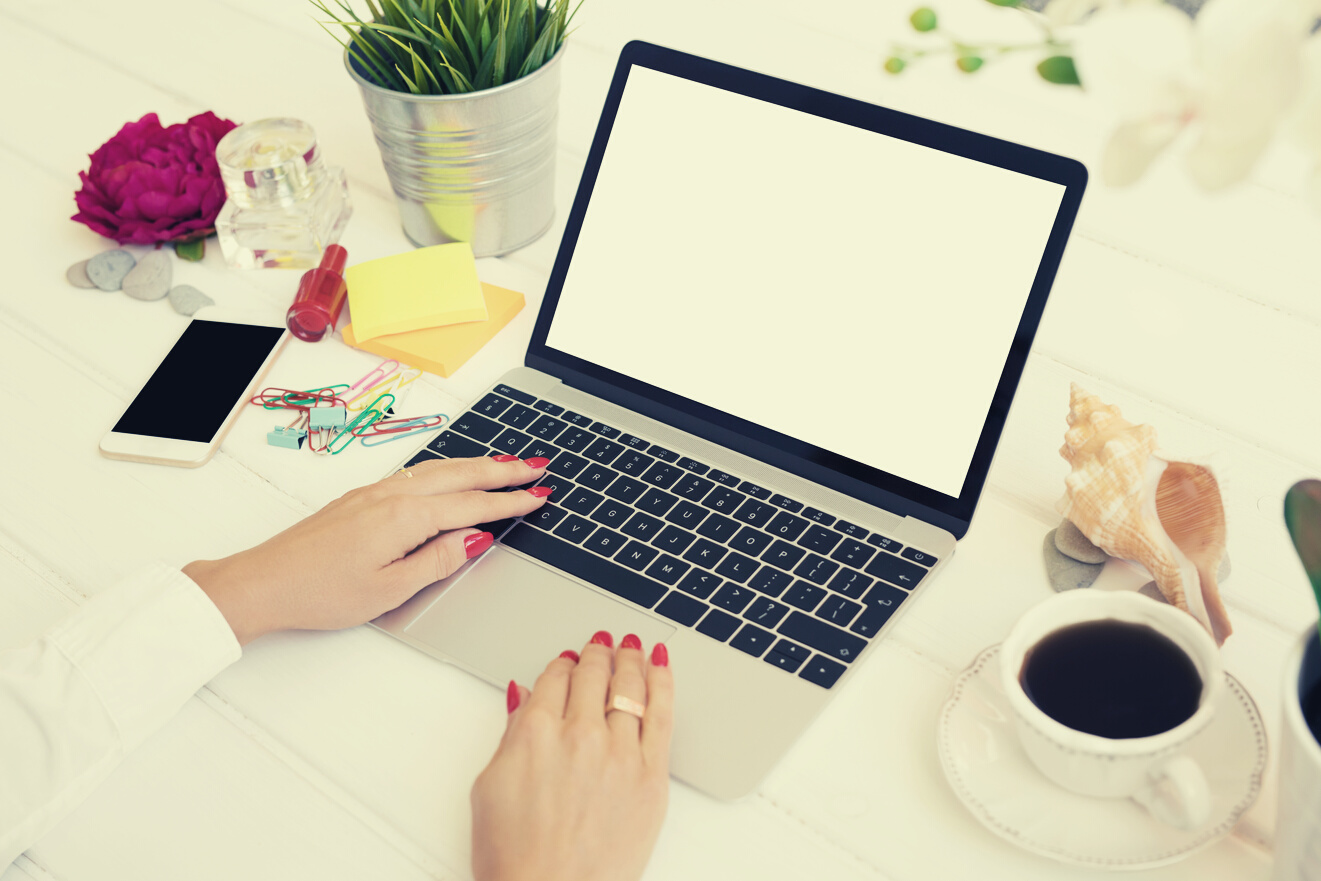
(1133, 504)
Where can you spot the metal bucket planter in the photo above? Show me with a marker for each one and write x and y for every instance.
(477, 167)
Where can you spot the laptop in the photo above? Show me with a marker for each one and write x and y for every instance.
(770, 370)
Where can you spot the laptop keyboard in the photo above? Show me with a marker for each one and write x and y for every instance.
(793, 585)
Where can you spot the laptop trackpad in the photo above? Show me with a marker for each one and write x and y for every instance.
(507, 617)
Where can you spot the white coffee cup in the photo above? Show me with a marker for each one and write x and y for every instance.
(1152, 770)
(1298, 820)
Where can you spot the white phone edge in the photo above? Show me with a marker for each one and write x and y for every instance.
(192, 454)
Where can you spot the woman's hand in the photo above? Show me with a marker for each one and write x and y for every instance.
(577, 790)
(369, 550)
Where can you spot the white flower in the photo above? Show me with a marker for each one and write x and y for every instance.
(1234, 71)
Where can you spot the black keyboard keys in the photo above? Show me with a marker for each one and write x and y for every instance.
(596, 477)
(852, 553)
(751, 541)
(673, 540)
(567, 465)
(718, 528)
(491, 406)
(755, 512)
(656, 501)
(753, 640)
(704, 553)
(816, 569)
(546, 517)
(626, 489)
(825, 638)
(805, 596)
(605, 542)
(642, 527)
(783, 555)
(718, 625)
(771, 582)
(918, 557)
(766, 612)
(477, 427)
(576, 439)
(733, 598)
(519, 416)
(634, 463)
(692, 487)
(611, 513)
(685, 610)
(896, 571)
(520, 396)
(511, 441)
(636, 555)
(547, 427)
(456, 446)
(667, 569)
(585, 565)
(662, 475)
(699, 583)
(581, 501)
(737, 567)
(686, 514)
(603, 451)
(724, 500)
(851, 584)
(575, 529)
(881, 602)
(787, 526)
(838, 610)
(822, 671)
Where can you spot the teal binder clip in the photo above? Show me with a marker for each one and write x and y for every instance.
(327, 417)
(289, 438)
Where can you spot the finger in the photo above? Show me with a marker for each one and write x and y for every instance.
(590, 680)
(438, 558)
(516, 697)
(630, 684)
(441, 476)
(413, 519)
(658, 724)
(551, 693)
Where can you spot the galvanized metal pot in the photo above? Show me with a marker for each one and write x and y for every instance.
(477, 167)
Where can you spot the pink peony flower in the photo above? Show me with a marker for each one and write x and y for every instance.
(150, 184)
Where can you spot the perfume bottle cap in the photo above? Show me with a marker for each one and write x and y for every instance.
(320, 297)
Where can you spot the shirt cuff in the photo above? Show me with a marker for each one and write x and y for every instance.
(146, 646)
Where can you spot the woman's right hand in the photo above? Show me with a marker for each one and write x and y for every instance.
(576, 790)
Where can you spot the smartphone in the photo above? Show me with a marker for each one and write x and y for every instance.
(184, 410)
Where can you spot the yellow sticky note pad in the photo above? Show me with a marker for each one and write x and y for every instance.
(443, 350)
(427, 287)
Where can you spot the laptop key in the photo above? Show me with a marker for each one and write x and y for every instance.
(538, 448)
(805, 596)
(642, 527)
(918, 557)
(686, 514)
(718, 625)
(792, 650)
(673, 539)
(885, 544)
(757, 492)
(605, 430)
(596, 477)
(784, 662)
(786, 526)
(723, 500)
(783, 555)
(737, 567)
(603, 451)
(692, 487)
(667, 569)
(585, 565)
(421, 456)
(567, 465)
(896, 571)
(559, 487)
(636, 555)
(656, 501)
(576, 439)
(511, 441)
(850, 583)
(718, 528)
(816, 569)
(576, 418)
(704, 553)
(771, 582)
(881, 602)
(633, 462)
(581, 501)
(626, 489)
(838, 610)
(822, 671)
(491, 405)
(662, 475)
(612, 513)
(733, 598)
(575, 528)
(786, 503)
(630, 440)
(451, 445)
(663, 454)
(818, 539)
(852, 552)
(692, 465)
(519, 416)
(724, 478)
(750, 541)
(825, 638)
(548, 407)
(683, 609)
(547, 427)
(766, 612)
(699, 583)
(753, 640)
(478, 428)
(754, 512)
(818, 516)
(520, 396)
(851, 529)
(546, 517)
(605, 542)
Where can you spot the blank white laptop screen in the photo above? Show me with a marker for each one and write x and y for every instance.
(770, 263)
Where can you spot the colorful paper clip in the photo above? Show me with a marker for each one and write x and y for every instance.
(387, 430)
(375, 375)
(390, 385)
(367, 417)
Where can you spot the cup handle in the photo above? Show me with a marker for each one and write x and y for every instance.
(1177, 793)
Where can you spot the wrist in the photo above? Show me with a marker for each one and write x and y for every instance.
(233, 594)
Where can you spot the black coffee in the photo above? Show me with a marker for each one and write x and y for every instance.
(1312, 711)
(1112, 678)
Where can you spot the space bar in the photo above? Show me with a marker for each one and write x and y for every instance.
(584, 564)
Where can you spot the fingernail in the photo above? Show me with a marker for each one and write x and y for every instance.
(539, 491)
(536, 462)
(504, 457)
(512, 697)
(630, 642)
(570, 654)
(603, 638)
(476, 543)
(660, 655)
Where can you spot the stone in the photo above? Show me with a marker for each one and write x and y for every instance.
(150, 279)
(1064, 572)
(77, 275)
(1070, 541)
(1151, 590)
(107, 269)
(187, 299)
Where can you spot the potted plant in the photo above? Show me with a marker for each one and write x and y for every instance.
(462, 96)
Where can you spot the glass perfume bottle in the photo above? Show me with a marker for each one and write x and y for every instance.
(285, 206)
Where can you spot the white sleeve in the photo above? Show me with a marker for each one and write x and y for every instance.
(76, 701)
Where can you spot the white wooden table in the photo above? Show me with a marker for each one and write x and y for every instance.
(349, 755)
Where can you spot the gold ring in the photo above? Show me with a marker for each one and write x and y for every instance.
(405, 472)
(627, 705)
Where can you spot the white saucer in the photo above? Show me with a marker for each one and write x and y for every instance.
(994, 779)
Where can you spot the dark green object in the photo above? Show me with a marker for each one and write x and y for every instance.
(1302, 516)
(969, 63)
(191, 251)
(895, 64)
(1005, 2)
(1059, 69)
(923, 19)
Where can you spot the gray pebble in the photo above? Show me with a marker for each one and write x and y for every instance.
(150, 279)
(77, 275)
(187, 299)
(1071, 542)
(1151, 590)
(1064, 572)
(107, 269)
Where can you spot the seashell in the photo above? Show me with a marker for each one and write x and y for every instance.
(1133, 504)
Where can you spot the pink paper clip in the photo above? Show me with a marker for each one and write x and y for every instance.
(375, 375)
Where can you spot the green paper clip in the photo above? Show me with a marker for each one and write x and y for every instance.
(364, 419)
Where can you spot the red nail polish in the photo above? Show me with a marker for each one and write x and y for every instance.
(476, 543)
(570, 654)
(601, 637)
(536, 462)
(630, 642)
(660, 655)
(504, 457)
(512, 697)
(539, 491)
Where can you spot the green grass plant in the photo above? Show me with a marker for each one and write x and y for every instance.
(448, 47)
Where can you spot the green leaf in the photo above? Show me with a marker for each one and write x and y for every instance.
(1059, 69)
(1005, 2)
(923, 19)
(191, 251)
(969, 63)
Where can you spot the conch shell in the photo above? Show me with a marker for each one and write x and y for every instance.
(1133, 504)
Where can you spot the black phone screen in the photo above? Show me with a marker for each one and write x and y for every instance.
(196, 386)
